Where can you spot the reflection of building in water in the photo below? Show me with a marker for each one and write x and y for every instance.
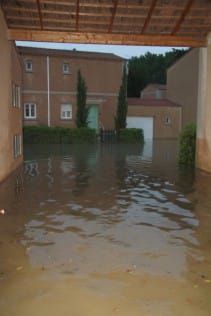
(31, 168)
(157, 151)
(66, 165)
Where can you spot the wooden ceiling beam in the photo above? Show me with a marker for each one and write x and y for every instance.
(182, 18)
(7, 6)
(108, 5)
(77, 15)
(126, 17)
(114, 9)
(40, 14)
(101, 22)
(104, 38)
(146, 23)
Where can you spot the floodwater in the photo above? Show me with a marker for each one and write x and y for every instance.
(105, 230)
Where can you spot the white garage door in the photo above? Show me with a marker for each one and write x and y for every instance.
(146, 123)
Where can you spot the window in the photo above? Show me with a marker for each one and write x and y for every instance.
(28, 65)
(30, 111)
(66, 111)
(167, 120)
(16, 95)
(17, 145)
(66, 68)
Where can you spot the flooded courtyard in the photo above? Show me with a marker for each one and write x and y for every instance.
(105, 230)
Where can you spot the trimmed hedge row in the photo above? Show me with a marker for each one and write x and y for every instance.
(83, 135)
(187, 145)
(58, 135)
(131, 135)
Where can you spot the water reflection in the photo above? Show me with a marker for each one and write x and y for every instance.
(124, 201)
(101, 211)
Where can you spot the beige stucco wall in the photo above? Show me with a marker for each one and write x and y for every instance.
(203, 148)
(154, 94)
(182, 84)
(102, 77)
(10, 119)
(160, 129)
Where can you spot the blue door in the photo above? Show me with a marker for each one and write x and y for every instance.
(93, 117)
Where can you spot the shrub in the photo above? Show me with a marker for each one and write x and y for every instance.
(187, 145)
(58, 135)
(81, 135)
(131, 135)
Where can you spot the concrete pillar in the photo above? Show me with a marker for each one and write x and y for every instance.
(203, 145)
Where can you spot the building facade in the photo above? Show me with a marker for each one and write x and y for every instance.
(154, 91)
(183, 84)
(10, 105)
(159, 118)
(50, 86)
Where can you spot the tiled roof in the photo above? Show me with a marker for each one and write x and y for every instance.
(67, 53)
(151, 102)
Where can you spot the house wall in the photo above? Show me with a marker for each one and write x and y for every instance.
(102, 77)
(160, 129)
(203, 144)
(153, 94)
(182, 85)
(10, 117)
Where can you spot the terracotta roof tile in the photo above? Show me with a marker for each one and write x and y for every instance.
(23, 50)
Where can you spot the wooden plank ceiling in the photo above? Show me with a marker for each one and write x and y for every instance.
(133, 22)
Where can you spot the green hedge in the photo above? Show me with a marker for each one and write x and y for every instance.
(187, 145)
(58, 135)
(131, 135)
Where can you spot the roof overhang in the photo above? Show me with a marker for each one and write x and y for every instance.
(134, 22)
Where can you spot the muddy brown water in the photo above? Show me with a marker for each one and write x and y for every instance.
(105, 230)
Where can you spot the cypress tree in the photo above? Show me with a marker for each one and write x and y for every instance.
(82, 109)
(121, 114)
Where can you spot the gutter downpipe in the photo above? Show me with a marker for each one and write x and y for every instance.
(48, 91)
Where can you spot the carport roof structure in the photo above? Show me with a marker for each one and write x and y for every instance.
(132, 22)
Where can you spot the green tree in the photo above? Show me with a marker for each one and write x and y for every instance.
(121, 114)
(149, 68)
(82, 109)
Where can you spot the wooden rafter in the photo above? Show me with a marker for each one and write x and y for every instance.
(134, 17)
(182, 18)
(155, 22)
(105, 38)
(114, 9)
(127, 24)
(153, 4)
(77, 15)
(40, 14)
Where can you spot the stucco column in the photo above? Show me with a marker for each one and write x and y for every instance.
(203, 146)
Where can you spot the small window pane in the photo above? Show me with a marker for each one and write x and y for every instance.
(66, 68)
(17, 145)
(66, 111)
(15, 95)
(167, 120)
(30, 111)
(28, 66)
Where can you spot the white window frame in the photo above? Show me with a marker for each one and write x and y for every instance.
(16, 96)
(17, 145)
(30, 116)
(27, 67)
(64, 115)
(167, 120)
(66, 68)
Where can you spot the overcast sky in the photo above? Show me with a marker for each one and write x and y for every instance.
(120, 50)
